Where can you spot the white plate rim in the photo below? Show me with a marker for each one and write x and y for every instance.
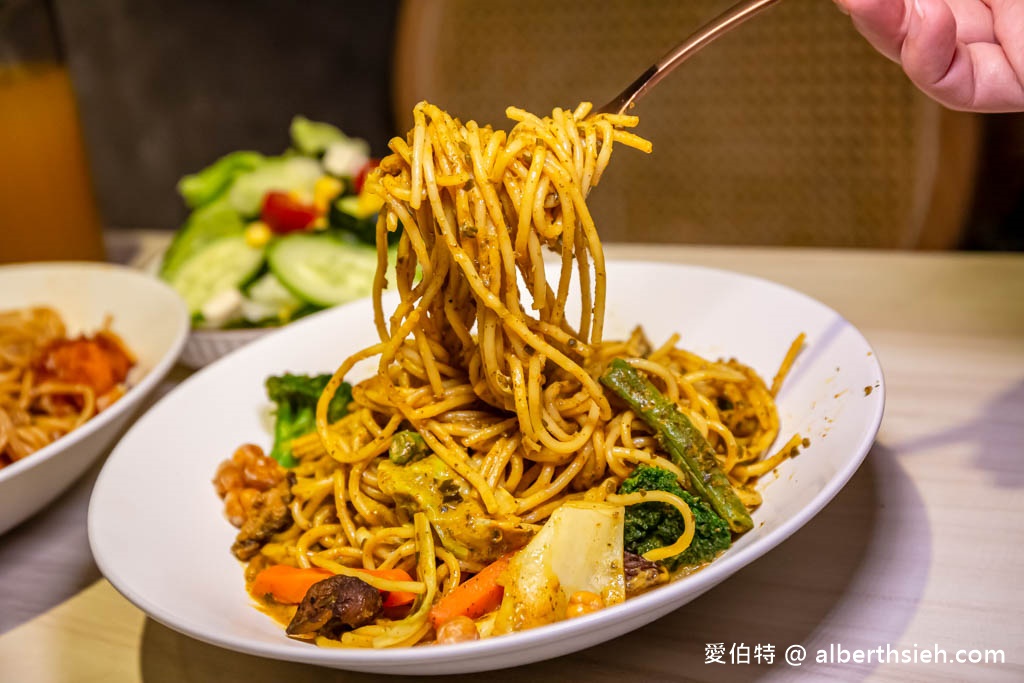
(697, 583)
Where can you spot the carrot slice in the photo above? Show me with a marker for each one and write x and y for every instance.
(393, 598)
(473, 598)
(287, 585)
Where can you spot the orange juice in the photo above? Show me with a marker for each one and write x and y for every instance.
(47, 208)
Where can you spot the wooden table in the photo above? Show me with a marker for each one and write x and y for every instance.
(922, 548)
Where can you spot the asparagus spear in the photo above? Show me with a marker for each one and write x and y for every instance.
(684, 442)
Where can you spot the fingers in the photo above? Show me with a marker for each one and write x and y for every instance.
(930, 46)
(973, 76)
(973, 21)
(1009, 32)
(967, 54)
(885, 22)
(882, 22)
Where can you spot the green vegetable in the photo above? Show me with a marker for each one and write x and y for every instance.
(656, 525)
(296, 397)
(342, 217)
(284, 174)
(690, 451)
(199, 189)
(207, 224)
(226, 263)
(312, 137)
(322, 269)
(266, 290)
(407, 446)
(228, 195)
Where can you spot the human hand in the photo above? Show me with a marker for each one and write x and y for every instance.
(967, 54)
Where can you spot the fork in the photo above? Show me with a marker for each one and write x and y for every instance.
(702, 37)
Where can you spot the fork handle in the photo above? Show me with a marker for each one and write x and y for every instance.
(703, 36)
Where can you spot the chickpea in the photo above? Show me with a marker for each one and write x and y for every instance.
(233, 508)
(247, 497)
(246, 453)
(240, 480)
(460, 629)
(262, 474)
(249, 467)
(583, 602)
(228, 477)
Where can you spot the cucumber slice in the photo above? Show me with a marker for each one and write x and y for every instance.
(341, 217)
(206, 225)
(284, 174)
(268, 291)
(223, 264)
(323, 270)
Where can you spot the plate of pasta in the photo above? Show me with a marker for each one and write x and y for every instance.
(513, 450)
(81, 345)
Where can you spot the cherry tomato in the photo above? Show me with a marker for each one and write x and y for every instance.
(284, 214)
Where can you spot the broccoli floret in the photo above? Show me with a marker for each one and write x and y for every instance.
(656, 525)
(296, 397)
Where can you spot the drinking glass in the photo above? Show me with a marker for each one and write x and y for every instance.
(47, 207)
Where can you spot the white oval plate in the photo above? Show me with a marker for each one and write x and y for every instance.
(166, 546)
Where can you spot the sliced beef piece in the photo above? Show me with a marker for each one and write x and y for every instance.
(269, 514)
(335, 605)
(641, 574)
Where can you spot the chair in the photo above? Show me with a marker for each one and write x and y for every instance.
(789, 131)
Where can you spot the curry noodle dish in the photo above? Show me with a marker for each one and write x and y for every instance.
(506, 466)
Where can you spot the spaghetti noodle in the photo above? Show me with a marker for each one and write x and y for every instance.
(480, 360)
(49, 384)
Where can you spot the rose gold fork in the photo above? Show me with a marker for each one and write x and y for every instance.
(718, 26)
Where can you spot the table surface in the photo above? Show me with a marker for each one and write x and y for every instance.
(922, 549)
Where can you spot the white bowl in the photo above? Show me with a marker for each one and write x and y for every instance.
(150, 318)
(202, 593)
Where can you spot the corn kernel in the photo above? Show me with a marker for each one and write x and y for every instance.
(257, 234)
(371, 182)
(325, 190)
(369, 203)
